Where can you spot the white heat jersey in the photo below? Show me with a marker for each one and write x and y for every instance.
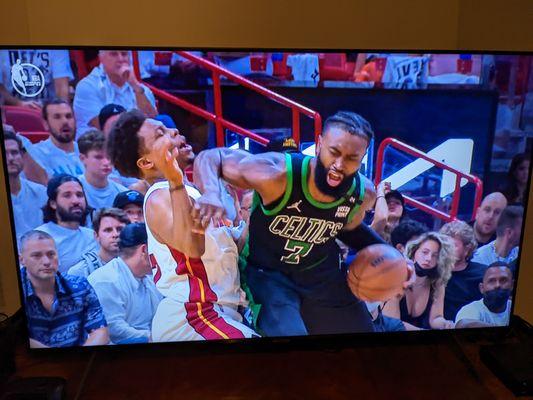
(213, 278)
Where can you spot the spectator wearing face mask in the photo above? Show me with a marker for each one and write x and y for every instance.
(494, 308)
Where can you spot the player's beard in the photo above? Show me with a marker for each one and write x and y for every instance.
(321, 181)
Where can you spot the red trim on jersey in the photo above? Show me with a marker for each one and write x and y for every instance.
(207, 323)
(154, 264)
(201, 314)
(200, 291)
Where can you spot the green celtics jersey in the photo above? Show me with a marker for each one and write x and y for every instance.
(297, 232)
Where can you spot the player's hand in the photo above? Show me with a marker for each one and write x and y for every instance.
(166, 151)
(208, 207)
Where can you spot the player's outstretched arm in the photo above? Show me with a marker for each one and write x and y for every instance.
(168, 212)
(264, 173)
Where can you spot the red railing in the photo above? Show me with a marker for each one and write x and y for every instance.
(458, 176)
(217, 117)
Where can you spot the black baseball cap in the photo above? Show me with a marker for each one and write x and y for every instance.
(282, 144)
(108, 111)
(133, 235)
(128, 197)
(395, 194)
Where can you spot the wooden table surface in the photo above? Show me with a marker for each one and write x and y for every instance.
(445, 369)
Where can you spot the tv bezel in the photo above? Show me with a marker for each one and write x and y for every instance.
(331, 342)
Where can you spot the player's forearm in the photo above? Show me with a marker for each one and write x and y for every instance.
(98, 337)
(192, 244)
(360, 237)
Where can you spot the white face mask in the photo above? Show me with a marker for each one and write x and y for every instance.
(372, 305)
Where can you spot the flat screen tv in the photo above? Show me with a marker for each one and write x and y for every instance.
(165, 195)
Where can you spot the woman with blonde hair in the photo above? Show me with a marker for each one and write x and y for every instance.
(421, 307)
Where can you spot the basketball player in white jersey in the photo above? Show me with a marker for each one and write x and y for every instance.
(196, 271)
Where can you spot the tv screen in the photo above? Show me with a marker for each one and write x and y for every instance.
(185, 195)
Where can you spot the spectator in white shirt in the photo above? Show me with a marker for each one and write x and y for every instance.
(126, 289)
(113, 81)
(494, 308)
(505, 247)
(64, 214)
(59, 153)
(100, 190)
(107, 225)
(27, 198)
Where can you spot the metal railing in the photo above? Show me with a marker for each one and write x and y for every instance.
(217, 118)
(458, 176)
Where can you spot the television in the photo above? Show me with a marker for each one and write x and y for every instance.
(263, 196)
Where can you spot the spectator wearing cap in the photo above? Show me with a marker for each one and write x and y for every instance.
(505, 247)
(126, 289)
(108, 115)
(100, 190)
(463, 286)
(388, 211)
(113, 81)
(61, 310)
(27, 197)
(64, 215)
(107, 225)
(131, 202)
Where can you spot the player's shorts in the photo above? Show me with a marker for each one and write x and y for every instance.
(175, 321)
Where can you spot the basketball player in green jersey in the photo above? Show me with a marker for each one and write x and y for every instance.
(301, 205)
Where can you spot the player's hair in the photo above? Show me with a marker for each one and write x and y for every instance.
(462, 231)
(350, 122)
(33, 235)
(124, 145)
(445, 261)
(405, 231)
(115, 213)
(50, 103)
(91, 140)
(9, 135)
(508, 218)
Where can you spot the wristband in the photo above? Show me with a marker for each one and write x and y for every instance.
(179, 187)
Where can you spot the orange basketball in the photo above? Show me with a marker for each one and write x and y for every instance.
(377, 273)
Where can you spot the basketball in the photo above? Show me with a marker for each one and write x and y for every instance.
(377, 273)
